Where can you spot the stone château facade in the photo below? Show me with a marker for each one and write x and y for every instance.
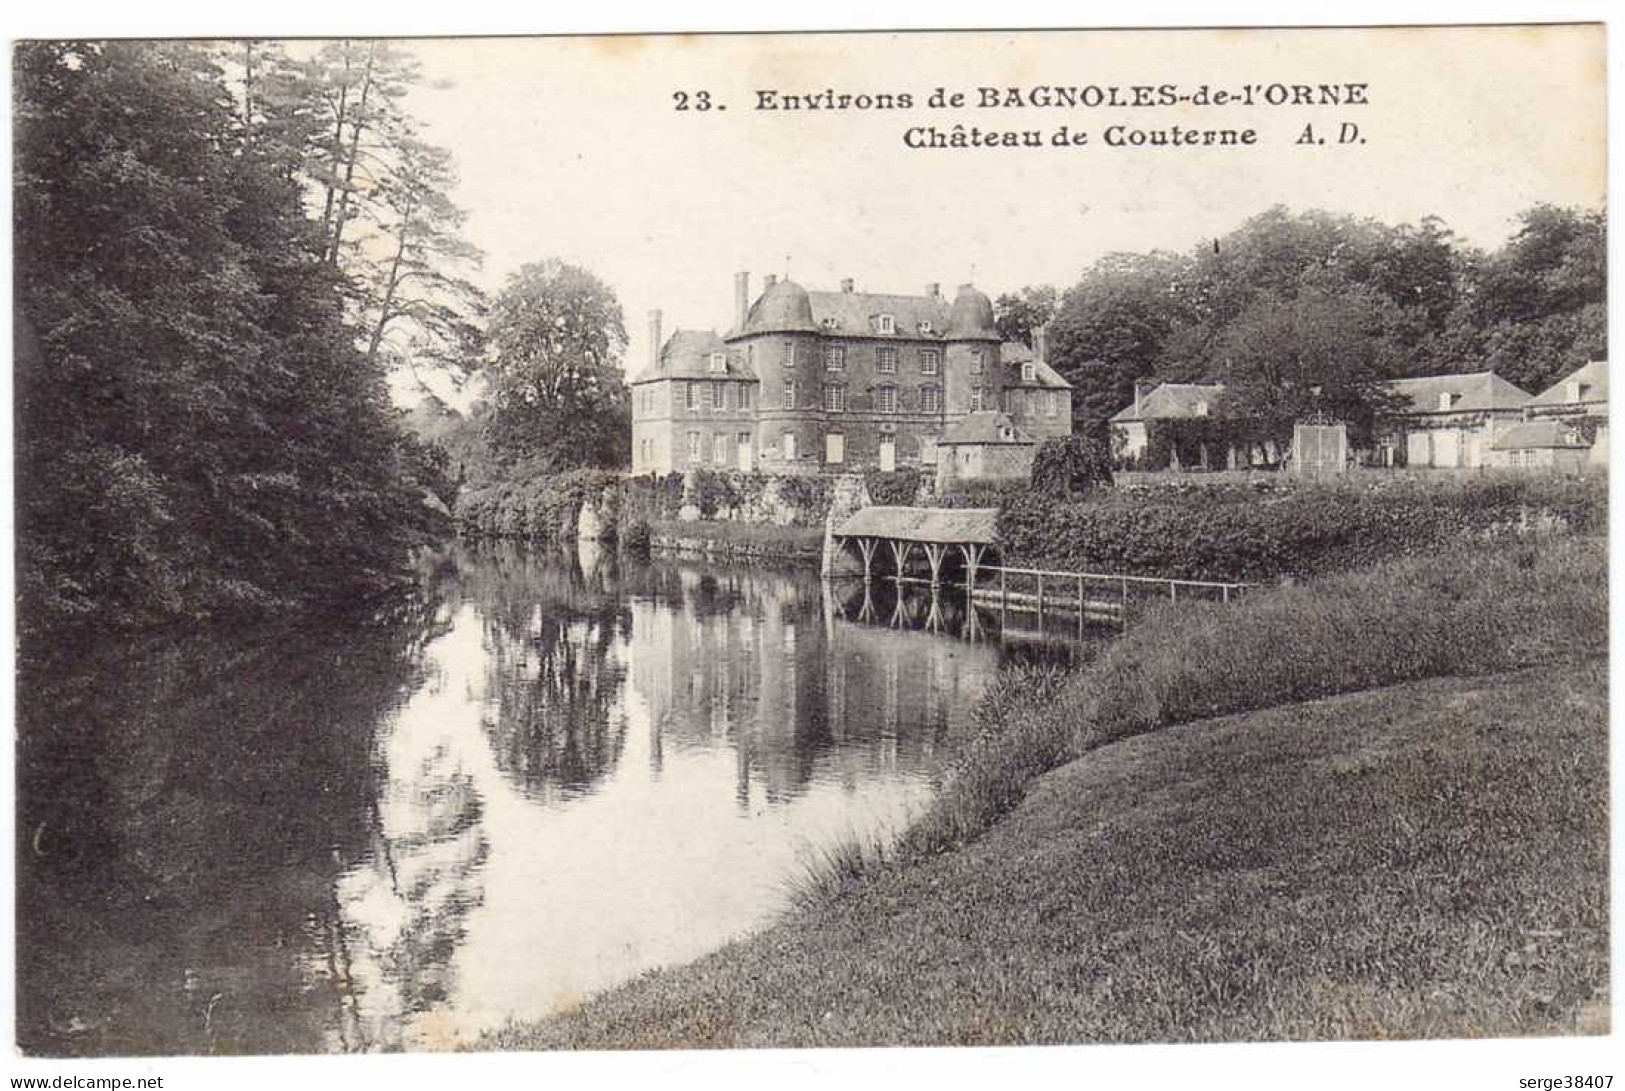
(808, 382)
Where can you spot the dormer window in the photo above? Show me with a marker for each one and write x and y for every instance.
(888, 323)
(719, 362)
(1446, 400)
(1201, 409)
(925, 327)
(828, 323)
(1029, 372)
(1576, 392)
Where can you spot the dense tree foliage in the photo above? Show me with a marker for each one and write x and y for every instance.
(1017, 317)
(558, 400)
(198, 432)
(1299, 312)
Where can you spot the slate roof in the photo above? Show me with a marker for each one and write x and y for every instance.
(687, 355)
(784, 306)
(1171, 401)
(1594, 376)
(988, 426)
(1478, 390)
(936, 525)
(1014, 354)
(853, 314)
(1537, 433)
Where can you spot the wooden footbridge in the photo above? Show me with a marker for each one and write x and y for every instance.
(963, 539)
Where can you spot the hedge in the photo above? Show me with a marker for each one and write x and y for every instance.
(1240, 534)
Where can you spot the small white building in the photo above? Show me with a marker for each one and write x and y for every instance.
(1165, 401)
(1581, 398)
(1448, 421)
(985, 446)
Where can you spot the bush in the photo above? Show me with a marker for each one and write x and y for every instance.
(896, 489)
(543, 508)
(1071, 466)
(634, 536)
(711, 492)
(985, 494)
(1465, 611)
(1238, 533)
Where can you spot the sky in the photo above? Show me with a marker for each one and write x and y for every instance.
(572, 148)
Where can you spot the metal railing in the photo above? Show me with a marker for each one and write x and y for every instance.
(1059, 597)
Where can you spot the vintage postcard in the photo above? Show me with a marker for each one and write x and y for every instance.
(918, 538)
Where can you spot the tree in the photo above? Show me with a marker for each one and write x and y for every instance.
(414, 282)
(387, 221)
(1018, 317)
(1114, 326)
(1322, 351)
(358, 87)
(557, 334)
(1538, 306)
(197, 434)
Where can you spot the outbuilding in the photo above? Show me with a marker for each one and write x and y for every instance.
(985, 446)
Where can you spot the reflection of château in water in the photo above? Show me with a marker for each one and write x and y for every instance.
(765, 666)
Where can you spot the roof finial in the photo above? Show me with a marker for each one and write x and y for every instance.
(973, 272)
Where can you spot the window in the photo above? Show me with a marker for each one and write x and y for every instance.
(693, 446)
(931, 399)
(1052, 407)
(719, 395)
(693, 395)
(789, 354)
(976, 362)
(719, 448)
(834, 448)
(790, 395)
(1029, 372)
(886, 361)
(930, 361)
(747, 396)
(975, 399)
(719, 362)
(888, 324)
(835, 357)
(886, 399)
(789, 446)
(834, 398)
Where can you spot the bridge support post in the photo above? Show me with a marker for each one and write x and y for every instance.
(900, 552)
(935, 553)
(867, 546)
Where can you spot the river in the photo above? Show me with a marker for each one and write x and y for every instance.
(550, 774)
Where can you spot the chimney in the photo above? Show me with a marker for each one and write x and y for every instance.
(741, 299)
(1142, 387)
(1041, 343)
(846, 286)
(769, 280)
(654, 340)
(933, 290)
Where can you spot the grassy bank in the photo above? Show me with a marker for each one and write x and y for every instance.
(1422, 860)
(1469, 611)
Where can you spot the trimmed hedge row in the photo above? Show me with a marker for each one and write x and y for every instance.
(1240, 534)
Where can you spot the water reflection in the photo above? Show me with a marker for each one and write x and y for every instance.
(555, 774)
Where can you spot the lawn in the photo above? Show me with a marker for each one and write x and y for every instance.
(1421, 860)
